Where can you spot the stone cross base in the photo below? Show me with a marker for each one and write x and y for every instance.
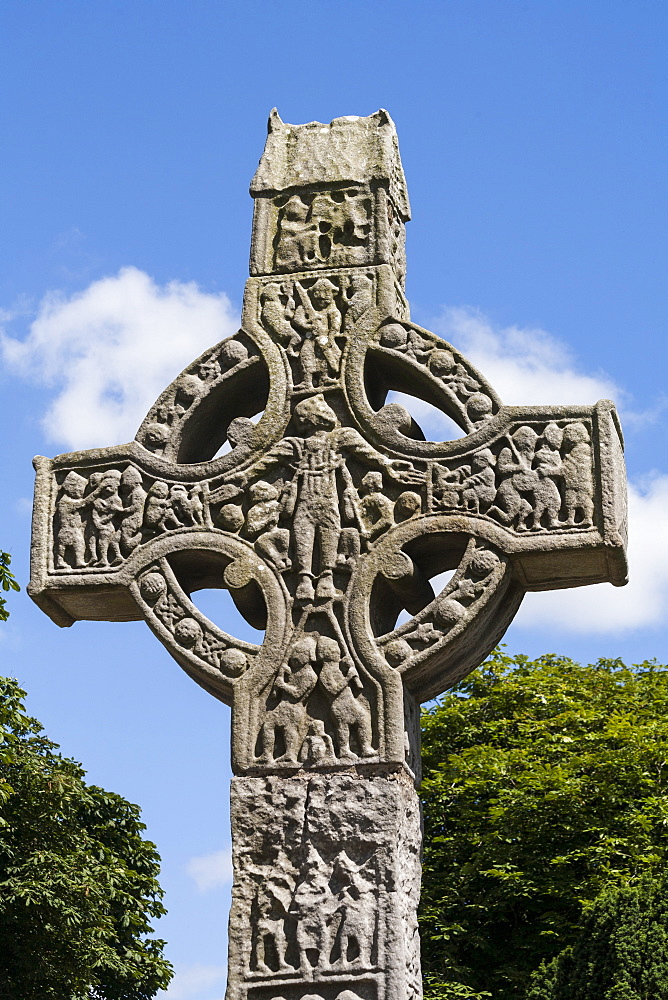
(326, 885)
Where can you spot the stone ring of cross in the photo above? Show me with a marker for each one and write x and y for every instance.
(284, 466)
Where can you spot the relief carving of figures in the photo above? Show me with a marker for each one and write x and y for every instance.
(312, 499)
(311, 319)
(349, 709)
(104, 540)
(287, 715)
(577, 473)
(328, 227)
(272, 902)
(539, 480)
(316, 666)
(356, 911)
(317, 319)
(312, 907)
(69, 522)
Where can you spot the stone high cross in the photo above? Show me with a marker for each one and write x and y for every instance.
(324, 519)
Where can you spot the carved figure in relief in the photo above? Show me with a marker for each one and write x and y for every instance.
(515, 463)
(288, 716)
(479, 487)
(407, 505)
(577, 472)
(318, 458)
(318, 320)
(547, 498)
(156, 507)
(349, 549)
(104, 541)
(277, 308)
(360, 299)
(240, 431)
(350, 712)
(185, 509)
(317, 746)
(376, 509)
(271, 541)
(297, 238)
(70, 528)
(342, 218)
(311, 905)
(356, 911)
(272, 901)
(133, 496)
(230, 518)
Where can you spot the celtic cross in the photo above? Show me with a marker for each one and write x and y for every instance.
(325, 519)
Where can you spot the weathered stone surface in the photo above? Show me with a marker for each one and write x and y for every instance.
(325, 518)
(327, 880)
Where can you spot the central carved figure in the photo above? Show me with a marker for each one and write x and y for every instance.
(326, 518)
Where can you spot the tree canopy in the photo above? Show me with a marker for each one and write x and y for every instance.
(544, 785)
(621, 953)
(78, 883)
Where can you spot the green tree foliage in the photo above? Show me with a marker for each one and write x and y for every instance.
(621, 953)
(7, 582)
(545, 784)
(78, 883)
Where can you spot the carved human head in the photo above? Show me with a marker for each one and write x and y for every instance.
(271, 292)
(328, 650)
(131, 478)
(239, 431)
(230, 517)
(156, 435)
(373, 482)
(159, 490)
(109, 482)
(553, 434)
(303, 651)
(261, 492)
(575, 433)
(408, 504)
(295, 209)
(524, 438)
(313, 413)
(322, 293)
(483, 459)
(74, 485)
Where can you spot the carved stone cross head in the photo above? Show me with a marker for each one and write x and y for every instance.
(278, 466)
(331, 513)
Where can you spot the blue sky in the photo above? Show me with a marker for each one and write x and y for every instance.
(533, 140)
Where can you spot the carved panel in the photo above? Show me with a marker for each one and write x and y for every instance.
(327, 871)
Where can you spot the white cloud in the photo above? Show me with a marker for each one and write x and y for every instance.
(524, 365)
(211, 871)
(190, 982)
(110, 350)
(604, 608)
